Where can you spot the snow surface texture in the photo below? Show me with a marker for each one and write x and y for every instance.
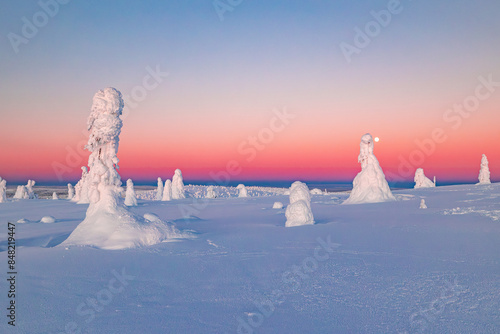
(130, 198)
(299, 211)
(3, 190)
(178, 185)
(421, 181)
(278, 205)
(484, 173)
(242, 190)
(54, 196)
(108, 223)
(71, 191)
(370, 185)
(167, 191)
(422, 204)
(210, 192)
(159, 190)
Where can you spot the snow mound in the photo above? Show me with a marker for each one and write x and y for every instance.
(151, 217)
(48, 220)
(421, 181)
(278, 205)
(422, 204)
(298, 214)
(370, 185)
(316, 191)
(23, 221)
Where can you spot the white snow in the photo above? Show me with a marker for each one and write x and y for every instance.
(316, 191)
(422, 204)
(178, 185)
(484, 172)
(71, 191)
(278, 205)
(54, 196)
(159, 190)
(210, 192)
(130, 198)
(29, 190)
(421, 181)
(21, 193)
(82, 188)
(47, 220)
(299, 211)
(242, 190)
(167, 191)
(370, 185)
(3, 190)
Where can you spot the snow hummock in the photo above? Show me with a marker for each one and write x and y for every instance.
(21, 193)
(159, 190)
(210, 192)
(47, 220)
(167, 191)
(278, 205)
(71, 191)
(108, 223)
(130, 198)
(316, 191)
(178, 185)
(3, 190)
(370, 185)
(484, 173)
(422, 204)
(421, 181)
(242, 190)
(54, 196)
(299, 211)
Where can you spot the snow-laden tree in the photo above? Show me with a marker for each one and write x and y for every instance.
(82, 188)
(370, 185)
(3, 190)
(422, 181)
(299, 212)
(21, 193)
(54, 196)
(422, 204)
(278, 205)
(130, 198)
(242, 190)
(29, 190)
(178, 185)
(210, 192)
(167, 191)
(484, 172)
(108, 223)
(159, 190)
(71, 191)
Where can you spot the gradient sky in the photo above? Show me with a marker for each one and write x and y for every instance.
(227, 78)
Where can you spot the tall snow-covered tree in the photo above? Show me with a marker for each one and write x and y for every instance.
(178, 185)
(484, 172)
(159, 190)
(3, 190)
(130, 198)
(167, 191)
(71, 191)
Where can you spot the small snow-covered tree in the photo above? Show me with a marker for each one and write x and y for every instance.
(82, 188)
(242, 190)
(278, 205)
(422, 204)
(21, 193)
(130, 198)
(29, 190)
(159, 190)
(167, 191)
(108, 223)
(421, 181)
(484, 173)
(210, 192)
(3, 190)
(299, 212)
(370, 185)
(71, 191)
(178, 185)
(54, 196)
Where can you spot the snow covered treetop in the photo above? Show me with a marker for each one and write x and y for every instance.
(365, 148)
(104, 121)
(178, 172)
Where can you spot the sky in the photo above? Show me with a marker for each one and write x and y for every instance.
(252, 90)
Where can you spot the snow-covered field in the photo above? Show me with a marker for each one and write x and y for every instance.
(367, 268)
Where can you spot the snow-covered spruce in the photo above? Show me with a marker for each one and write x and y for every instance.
(484, 173)
(130, 198)
(278, 205)
(54, 196)
(167, 191)
(422, 181)
(159, 190)
(29, 190)
(108, 223)
(82, 188)
(299, 211)
(21, 193)
(370, 185)
(422, 204)
(71, 191)
(178, 185)
(242, 190)
(210, 192)
(3, 190)
(316, 191)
